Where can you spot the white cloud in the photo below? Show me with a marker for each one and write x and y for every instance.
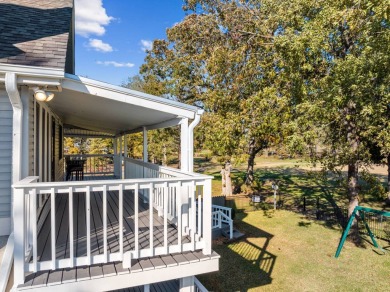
(115, 64)
(146, 45)
(99, 45)
(91, 17)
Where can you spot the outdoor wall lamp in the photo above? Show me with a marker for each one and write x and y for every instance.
(42, 95)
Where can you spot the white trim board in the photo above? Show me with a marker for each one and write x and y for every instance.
(133, 279)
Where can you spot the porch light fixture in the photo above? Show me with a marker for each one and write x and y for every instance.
(42, 95)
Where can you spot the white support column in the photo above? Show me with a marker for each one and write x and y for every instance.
(120, 157)
(187, 284)
(40, 146)
(45, 152)
(125, 145)
(19, 238)
(145, 146)
(185, 200)
(114, 143)
(25, 163)
(184, 147)
(48, 145)
(191, 127)
(125, 155)
(147, 288)
(207, 215)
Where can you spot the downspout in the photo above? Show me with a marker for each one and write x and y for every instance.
(191, 127)
(11, 86)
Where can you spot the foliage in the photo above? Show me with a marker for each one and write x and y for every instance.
(338, 59)
(163, 144)
(221, 57)
(371, 187)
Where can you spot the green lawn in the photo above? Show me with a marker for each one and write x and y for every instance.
(283, 251)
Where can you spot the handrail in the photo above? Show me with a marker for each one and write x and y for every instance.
(217, 216)
(89, 155)
(199, 287)
(102, 164)
(137, 168)
(146, 181)
(174, 198)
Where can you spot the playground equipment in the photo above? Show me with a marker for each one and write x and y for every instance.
(353, 216)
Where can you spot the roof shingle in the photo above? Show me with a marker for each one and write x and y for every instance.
(35, 33)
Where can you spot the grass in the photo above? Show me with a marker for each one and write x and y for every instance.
(283, 251)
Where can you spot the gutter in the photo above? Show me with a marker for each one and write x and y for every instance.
(191, 127)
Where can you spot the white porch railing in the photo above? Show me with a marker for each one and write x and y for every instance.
(222, 215)
(96, 164)
(174, 197)
(199, 287)
(136, 168)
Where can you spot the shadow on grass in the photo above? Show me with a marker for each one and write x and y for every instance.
(304, 224)
(244, 264)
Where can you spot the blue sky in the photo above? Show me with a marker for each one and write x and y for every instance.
(112, 35)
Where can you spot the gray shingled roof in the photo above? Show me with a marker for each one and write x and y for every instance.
(35, 32)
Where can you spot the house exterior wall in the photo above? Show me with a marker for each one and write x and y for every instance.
(5, 161)
(46, 138)
(41, 154)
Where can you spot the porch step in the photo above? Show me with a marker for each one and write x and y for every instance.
(236, 233)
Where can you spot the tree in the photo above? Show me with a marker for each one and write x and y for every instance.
(221, 57)
(162, 143)
(343, 61)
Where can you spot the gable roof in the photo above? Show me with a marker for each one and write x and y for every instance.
(37, 33)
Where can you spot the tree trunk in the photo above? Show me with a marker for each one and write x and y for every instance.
(223, 176)
(352, 187)
(164, 160)
(249, 179)
(353, 142)
(228, 179)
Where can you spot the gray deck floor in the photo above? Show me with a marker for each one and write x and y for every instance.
(95, 271)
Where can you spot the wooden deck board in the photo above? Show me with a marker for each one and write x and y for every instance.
(58, 276)
(55, 277)
(157, 262)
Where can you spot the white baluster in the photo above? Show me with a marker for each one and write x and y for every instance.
(88, 222)
(136, 215)
(53, 227)
(165, 207)
(105, 248)
(71, 233)
(206, 216)
(121, 220)
(151, 231)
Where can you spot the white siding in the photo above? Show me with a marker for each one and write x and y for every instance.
(5, 154)
(45, 158)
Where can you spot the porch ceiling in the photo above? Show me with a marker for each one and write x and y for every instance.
(102, 107)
